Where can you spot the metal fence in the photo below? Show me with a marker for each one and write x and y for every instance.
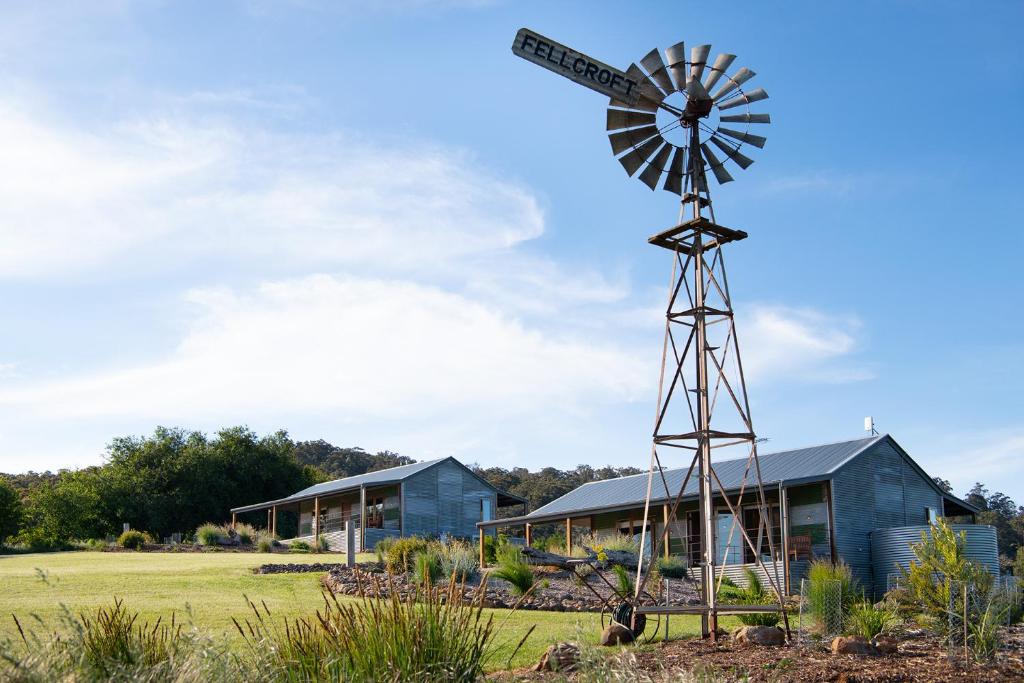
(974, 615)
(821, 614)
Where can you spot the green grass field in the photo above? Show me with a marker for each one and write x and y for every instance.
(213, 585)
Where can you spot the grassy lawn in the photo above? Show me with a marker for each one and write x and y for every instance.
(213, 586)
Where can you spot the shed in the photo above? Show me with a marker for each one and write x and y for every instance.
(431, 498)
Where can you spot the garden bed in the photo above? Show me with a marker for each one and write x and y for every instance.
(556, 590)
(922, 658)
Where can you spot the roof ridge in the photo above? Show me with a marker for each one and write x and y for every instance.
(386, 469)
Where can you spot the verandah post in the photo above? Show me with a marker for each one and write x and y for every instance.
(316, 523)
(529, 534)
(483, 555)
(568, 536)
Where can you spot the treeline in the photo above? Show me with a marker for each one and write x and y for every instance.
(545, 485)
(175, 480)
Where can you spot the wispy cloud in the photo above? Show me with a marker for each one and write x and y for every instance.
(994, 457)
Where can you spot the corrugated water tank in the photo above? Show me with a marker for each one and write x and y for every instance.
(890, 549)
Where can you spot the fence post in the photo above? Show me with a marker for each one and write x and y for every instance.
(350, 544)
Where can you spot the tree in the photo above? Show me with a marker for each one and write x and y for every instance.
(338, 463)
(10, 511)
(943, 484)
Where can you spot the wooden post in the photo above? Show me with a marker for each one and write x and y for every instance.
(529, 534)
(268, 520)
(362, 518)
(315, 526)
(568, 536)
(784, 522)
(831, 522)
(234, 520)
(483, 555)
(273, 521)
(668, 531)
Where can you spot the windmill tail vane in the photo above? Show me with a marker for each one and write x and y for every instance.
(670, 120)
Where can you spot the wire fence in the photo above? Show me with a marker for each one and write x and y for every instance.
(821, 614)
(974, 615)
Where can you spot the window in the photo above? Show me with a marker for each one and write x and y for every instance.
(931, 515)
(758, 533)
(375, 512)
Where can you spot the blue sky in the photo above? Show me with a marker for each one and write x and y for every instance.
(373, 224)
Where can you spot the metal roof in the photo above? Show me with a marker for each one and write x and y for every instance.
(388, 476)
(392, 475)
(803, 464)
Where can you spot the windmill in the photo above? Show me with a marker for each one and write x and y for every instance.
(669, 121)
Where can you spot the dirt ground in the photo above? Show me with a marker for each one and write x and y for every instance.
(923, 658)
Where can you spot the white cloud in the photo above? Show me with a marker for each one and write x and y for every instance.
(994, 457)
(781, 343)
(152, 192)
(352, 348)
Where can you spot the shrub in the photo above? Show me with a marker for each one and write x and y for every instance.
(514, 569)
(671, 567)
(983, 630)
(940, 562)
(623, 582)
(868, 621)
(618, 542)
(321, 543)
(459, 560)
(247, 534)
(426, 568)
(210, 534)
(264, 544)
(299, 547)
(383, 546)
(96, 544)
(823, 580)
(400, 554)
(755, 594)
(132, 539)
(431, 636)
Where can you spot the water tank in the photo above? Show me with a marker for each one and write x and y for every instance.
(890, 549)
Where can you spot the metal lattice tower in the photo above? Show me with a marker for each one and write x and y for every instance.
(702, 406)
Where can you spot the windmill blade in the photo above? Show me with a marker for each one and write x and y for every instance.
(735, 81)
(635, 159)
(624, 118)
(732, 152)
(650, 95)
(755, 140)
(746, 118)
(717, 167)
(674, 179)
(652, 174)
(698, 59)
(755, 95)
(676, 58)
(718, 69)
(656, 68)
(627, 139)
(695, 91)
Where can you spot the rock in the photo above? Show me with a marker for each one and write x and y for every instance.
(559, 657)
(771, 636)
(886, 645)
(616, 634)
(852, 645)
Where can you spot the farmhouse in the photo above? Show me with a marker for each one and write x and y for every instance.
(832, 501)
(432, 498)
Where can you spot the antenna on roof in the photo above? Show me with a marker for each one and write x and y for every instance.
(869, 425)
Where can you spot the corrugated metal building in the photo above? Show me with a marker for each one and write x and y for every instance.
(825, 502)
(425, 499)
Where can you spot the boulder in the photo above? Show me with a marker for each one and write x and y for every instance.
(771, 636)
(852, 645)
(559, 657)
(886, 645)
(616, 634)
